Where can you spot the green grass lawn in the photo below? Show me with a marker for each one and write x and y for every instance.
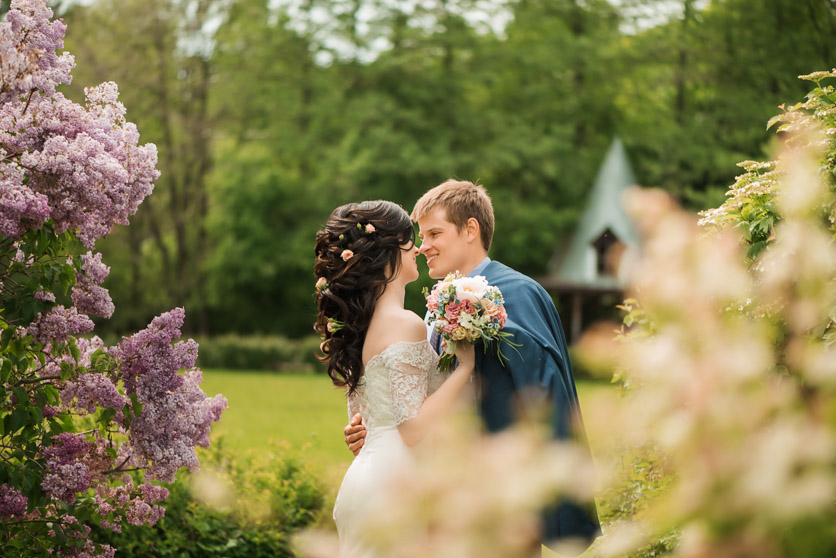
(304, 410)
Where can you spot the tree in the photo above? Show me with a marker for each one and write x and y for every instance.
(166, 53)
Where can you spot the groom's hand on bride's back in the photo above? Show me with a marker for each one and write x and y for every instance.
(355, 434)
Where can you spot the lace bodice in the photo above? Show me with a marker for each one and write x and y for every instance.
(395, 383)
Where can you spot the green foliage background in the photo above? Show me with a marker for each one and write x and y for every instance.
(268, 114)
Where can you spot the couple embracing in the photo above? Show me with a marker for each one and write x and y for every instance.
(387, 359)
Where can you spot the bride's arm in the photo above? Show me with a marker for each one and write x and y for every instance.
(414, 429)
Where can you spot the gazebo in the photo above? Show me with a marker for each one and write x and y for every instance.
(603, 244)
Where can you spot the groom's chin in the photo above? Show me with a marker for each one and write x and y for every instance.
(435, 274)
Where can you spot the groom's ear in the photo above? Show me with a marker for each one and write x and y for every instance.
(471, 229)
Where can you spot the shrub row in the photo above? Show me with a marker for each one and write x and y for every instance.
(232, 508)
(259, 352)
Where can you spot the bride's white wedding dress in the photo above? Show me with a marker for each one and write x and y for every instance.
(394, 385)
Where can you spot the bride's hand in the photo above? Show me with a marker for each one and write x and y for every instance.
(466, 354)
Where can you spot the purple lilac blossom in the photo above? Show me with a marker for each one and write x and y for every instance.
(12, 503)
(140, 512)
(111, 526)
(20, 207)
(176, 414)
(91, 390)
(45, 296)
(98, 459)
(64, 482)
(58, 324)
(66, 476)
(153, 493)
(74, 463)
(150, 363)
(66, 448)
(86, 348)
(164, 436)
(89, 550)
(87, 295)
(28, 41)
(87, 164)
(83, 168)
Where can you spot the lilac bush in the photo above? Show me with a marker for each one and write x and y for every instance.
(85, 429)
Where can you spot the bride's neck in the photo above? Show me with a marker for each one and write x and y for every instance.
(393, 293)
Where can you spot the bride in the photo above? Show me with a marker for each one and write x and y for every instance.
(378, 351)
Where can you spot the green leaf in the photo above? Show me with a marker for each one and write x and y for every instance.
(7, 335)
(100, 361)
(59, 534)
(36, 416)
(106, 416)
(75, 351)
(20, 418)
(5, 370)
(22, 396)
(136, 404)
(53, 397)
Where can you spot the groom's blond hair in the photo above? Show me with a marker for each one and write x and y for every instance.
(461, 200)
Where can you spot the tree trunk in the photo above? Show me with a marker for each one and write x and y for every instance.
(682, 63)
(579, 75)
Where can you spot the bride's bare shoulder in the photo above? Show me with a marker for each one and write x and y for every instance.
(402, 325)
(393, 326)
(413, 326)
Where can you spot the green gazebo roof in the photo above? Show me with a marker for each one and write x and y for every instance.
(604, 210)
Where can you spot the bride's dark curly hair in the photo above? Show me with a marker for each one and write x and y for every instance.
(357, 254)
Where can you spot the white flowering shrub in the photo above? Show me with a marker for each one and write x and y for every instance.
(725, 436)
(84, 428)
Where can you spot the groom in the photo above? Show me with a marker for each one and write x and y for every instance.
(456, 224)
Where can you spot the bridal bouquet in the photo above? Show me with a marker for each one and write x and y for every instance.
(465, 309)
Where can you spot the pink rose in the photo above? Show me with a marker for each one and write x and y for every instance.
(490, 307)
(347, 255)
(321, 284)
(432, 302)
(503, 315)
(448, 328)
(370, 228)
(452, 311)
(442, 286)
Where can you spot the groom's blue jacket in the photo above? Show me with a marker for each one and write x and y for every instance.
(535, 380)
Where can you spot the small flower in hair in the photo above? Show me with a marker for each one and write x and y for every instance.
(347, 255)
(334, 325)
(321, 284)
(369, 228)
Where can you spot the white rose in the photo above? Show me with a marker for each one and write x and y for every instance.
(470, 288)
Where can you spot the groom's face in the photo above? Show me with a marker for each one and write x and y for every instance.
(446, 247)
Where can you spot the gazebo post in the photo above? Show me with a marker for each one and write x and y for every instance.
(577, 315)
